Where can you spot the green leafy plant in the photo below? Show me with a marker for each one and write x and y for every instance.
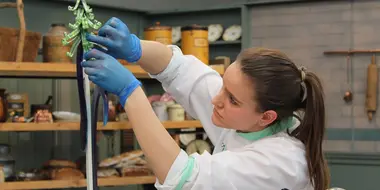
(84, 22)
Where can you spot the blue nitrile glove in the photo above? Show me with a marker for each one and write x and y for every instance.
(109, 74)
(120, 43)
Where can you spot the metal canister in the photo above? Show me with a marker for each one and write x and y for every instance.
(195, 42)
(162, 34)
(53, 49)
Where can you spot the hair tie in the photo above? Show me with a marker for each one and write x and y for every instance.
(302, 69)
(303, 85)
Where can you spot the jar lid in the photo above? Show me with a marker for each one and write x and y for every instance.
(194, 27)
(175, 106)
(40, 106)
(158, 103)
(58, 24)
(158, 27)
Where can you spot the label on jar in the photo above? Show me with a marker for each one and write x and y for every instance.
(13, 105)
(163, 40)
(200, 42)
(15, 97)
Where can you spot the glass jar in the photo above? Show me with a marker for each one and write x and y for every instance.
(7, 161)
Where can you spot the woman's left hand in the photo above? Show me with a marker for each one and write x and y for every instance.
(106, 72)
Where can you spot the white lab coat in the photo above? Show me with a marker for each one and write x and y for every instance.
(276, 162)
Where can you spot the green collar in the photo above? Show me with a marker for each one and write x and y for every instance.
(273, 129)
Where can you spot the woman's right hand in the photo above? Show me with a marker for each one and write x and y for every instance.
(120, 43)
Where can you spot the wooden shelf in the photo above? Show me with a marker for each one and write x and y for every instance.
(8, 5)
(355, 51)
(61, 70)
(220, 42)
(73, 126)
(58, 184)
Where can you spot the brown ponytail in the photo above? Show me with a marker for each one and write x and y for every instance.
(311, 131)
(279, 87)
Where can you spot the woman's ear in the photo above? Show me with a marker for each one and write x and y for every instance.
(268, 117)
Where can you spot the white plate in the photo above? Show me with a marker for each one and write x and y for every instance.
(215, 31)
(176, 34)
(232, 33)
(67, 116)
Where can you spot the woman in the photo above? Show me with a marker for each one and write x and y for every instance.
(248, 114)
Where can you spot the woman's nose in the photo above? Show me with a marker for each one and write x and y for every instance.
(217, 101)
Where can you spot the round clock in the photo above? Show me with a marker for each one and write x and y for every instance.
(198, 146)
(215, 31)
(232, 33)
(176, 34)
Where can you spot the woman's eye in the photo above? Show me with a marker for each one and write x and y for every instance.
(232, 100)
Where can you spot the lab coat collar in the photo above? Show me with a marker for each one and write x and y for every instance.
(291, 123)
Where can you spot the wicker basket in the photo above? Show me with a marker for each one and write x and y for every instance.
(9, 40)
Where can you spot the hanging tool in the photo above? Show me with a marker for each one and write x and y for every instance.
(372, 77)
(84, 21)
(348, 94)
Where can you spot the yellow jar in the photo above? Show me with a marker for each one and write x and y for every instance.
(162, 34)
(194, 41)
